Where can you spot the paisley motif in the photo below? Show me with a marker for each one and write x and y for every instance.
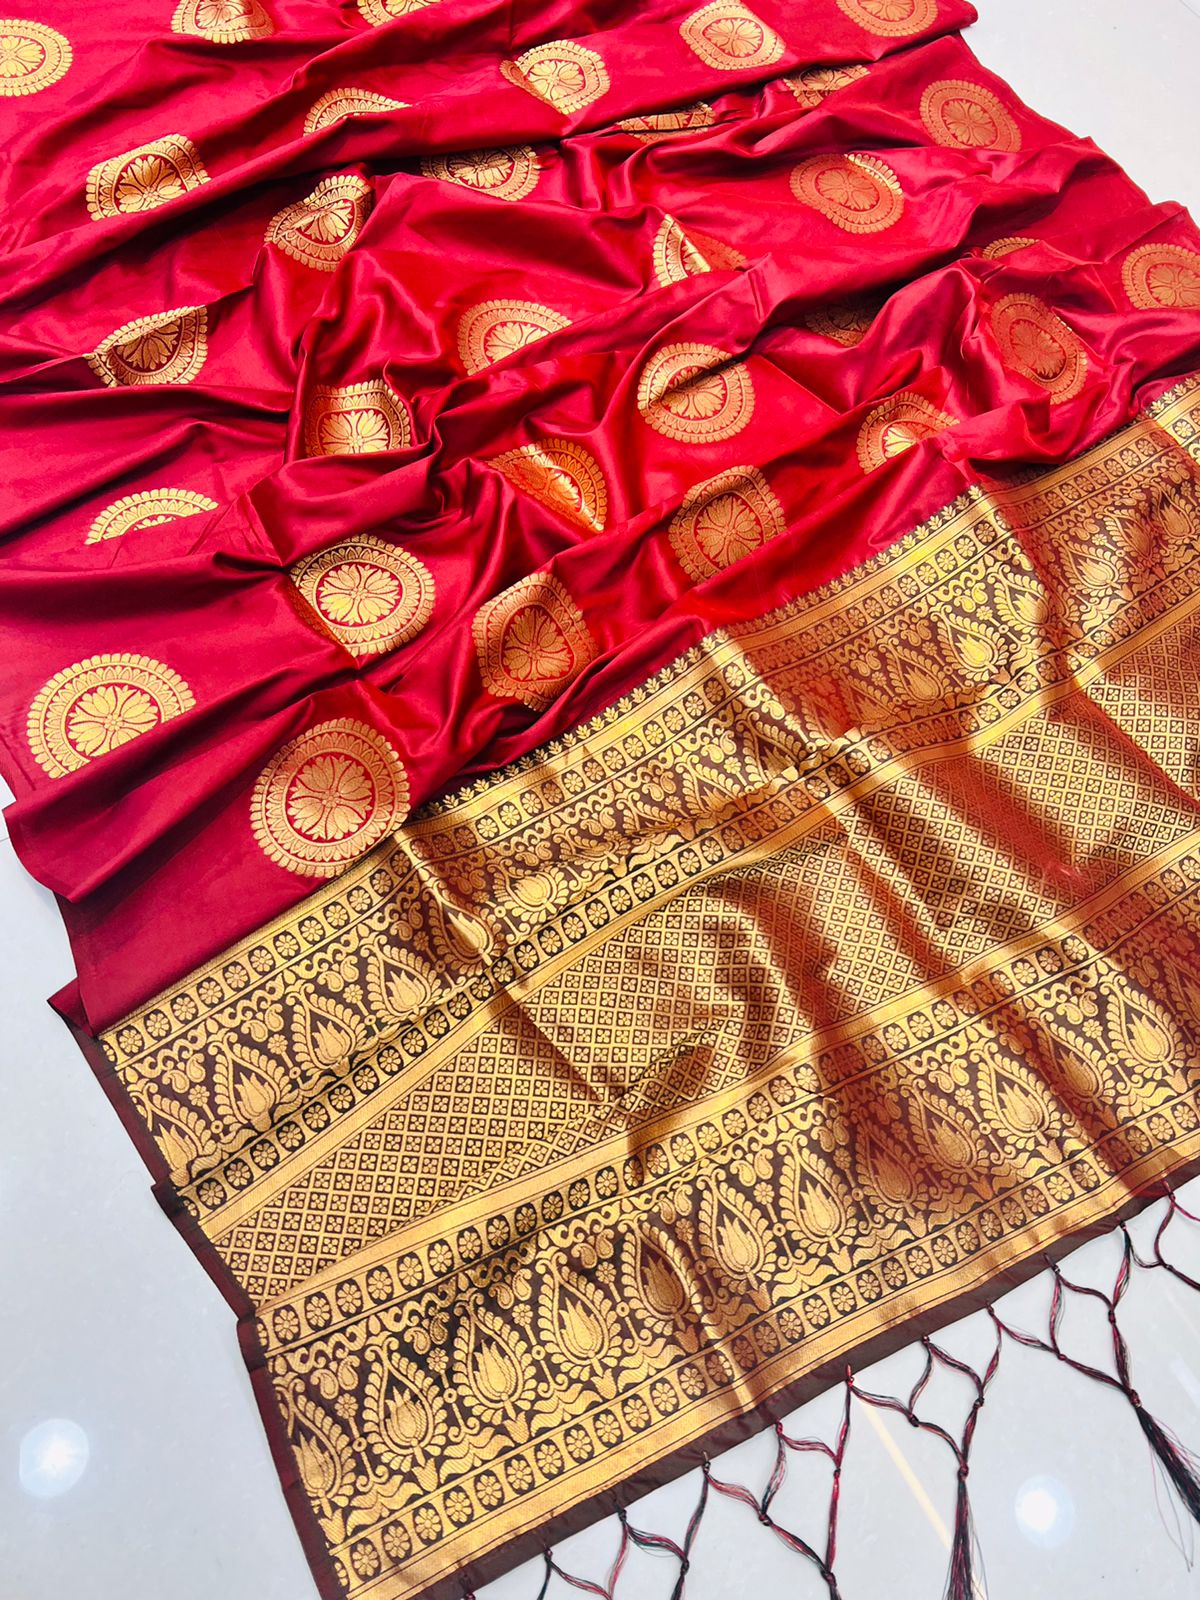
(727, 35)
(355, 419)
(318, 230)
(327, 797)
(561, 475)
(338, 104)
(223, 21)
(577, 1325)
(966, 116)
(859, 193)
(900, 422)
(563, 74)
(723, 519)
(152, 175)
(1038, 344)
(1162, 275)
(371, 595)
(506, 174)
(695, 393)
(495, 329)
(167, 348)
(891, 19)
(32, 56)
(532, 641)
(99, 704)
(492, 1367)
(145, 510)
(403, 1414)
(658, 125)
(657, 1281)
(675, 256)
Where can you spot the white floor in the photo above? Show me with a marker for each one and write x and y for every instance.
(110, 1332)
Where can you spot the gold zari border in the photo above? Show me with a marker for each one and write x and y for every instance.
(850, 960)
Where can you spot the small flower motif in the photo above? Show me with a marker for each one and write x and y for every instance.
(488, 1491)
(396, 1543)
(579, 1445)
(608, 1429)
(549, 1460)
(428, 1525)
(519, 1474)
(458, 1507)
(108, 716)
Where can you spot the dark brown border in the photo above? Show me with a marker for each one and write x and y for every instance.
(500, 1560)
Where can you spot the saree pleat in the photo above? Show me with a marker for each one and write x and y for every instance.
(601, 614)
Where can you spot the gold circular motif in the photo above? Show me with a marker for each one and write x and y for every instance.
(32, 56)
(328, 797)
(506, 174)
(1162, 276)
(167, 348)
(355, 419)
(561, 475)
(377, 12)
(895, 426)
(532, 641)
(722, 520)
(658, 125)
(99, 704)
(495, 329)
(562, 74)
(675, 256)
(719, 256)
(696, 393)
(966, 116)
(846, 322)
(858, 193)
(318, 230)
(223, 21)
(147, 510)
(891, 19)
(727, 35)
(816, 84)
(371, 595)
(1006, 246)
(1039, 345)
(152, 175)
(337, 104)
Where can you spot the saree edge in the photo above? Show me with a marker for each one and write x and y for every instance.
(536, 1540)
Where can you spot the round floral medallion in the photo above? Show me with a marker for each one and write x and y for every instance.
(816, 84)
(966, 116)
(1162, 275)
(167, 348)
(727, 35)
(152, 175)
(859, 193)
(561, 475)
(1039, 345)
(497, 328)
(563, 74)
(377, 12)
(328, 797)
(318, 230)
(223, 21)
(507, 174)
(99, 704)
(338, 104)
(147, 510)
(32, 56)
(696, 393)
(355, 419)
(531, 641)
(846, 322)
(657, 125)
(721, 257)
(723, 519)
(891, 19)
(895, 426)
(1006, 246)
(675, 256)
(371, 595)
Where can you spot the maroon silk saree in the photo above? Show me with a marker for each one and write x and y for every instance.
(599, 612)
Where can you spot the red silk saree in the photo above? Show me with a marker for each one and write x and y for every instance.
(599, 606)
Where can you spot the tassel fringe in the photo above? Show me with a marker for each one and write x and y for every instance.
(963, 1581)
